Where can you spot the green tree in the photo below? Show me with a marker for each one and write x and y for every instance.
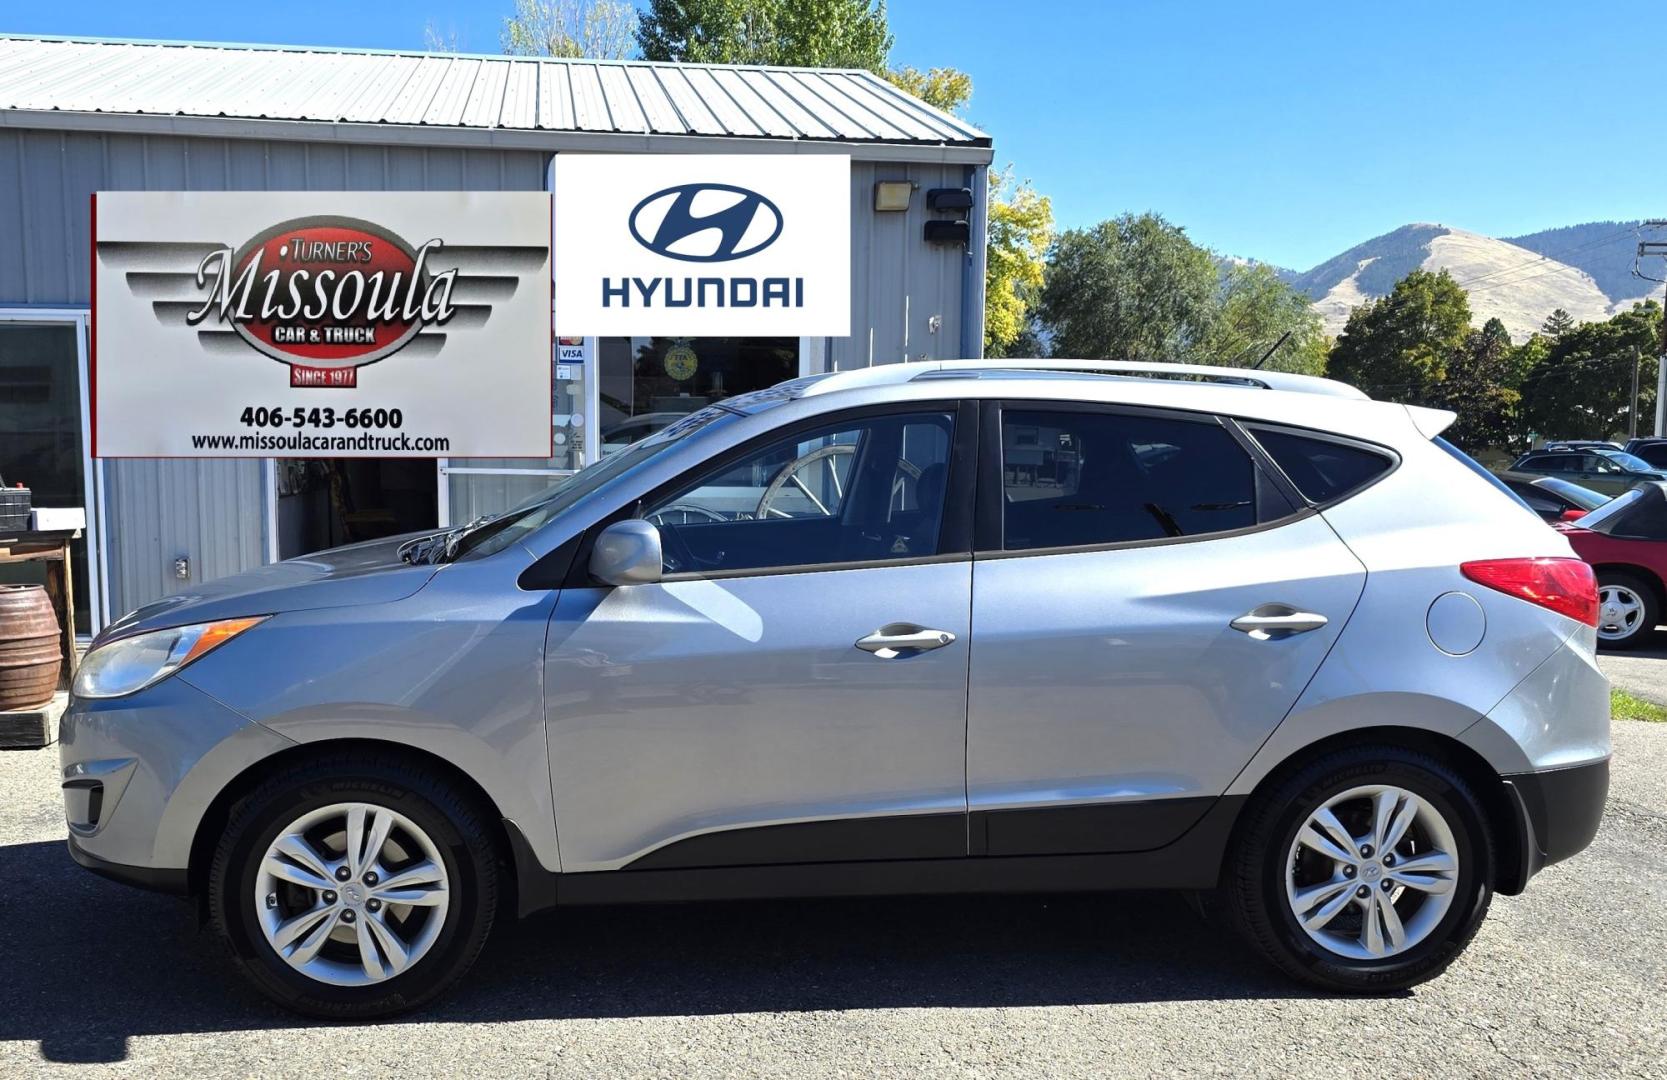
(941, 87)
(1525, 358)
(801, 33)
(1582, 389)
(597, 29)
(1253, 310)
(1132, 288)
(1020, 228)
(796, 33)
(1398, 345)
(1475, 388)
(1558, 323)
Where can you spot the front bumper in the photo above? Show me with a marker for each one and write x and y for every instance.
(141, 877)
(1559, 811)
(140, 772)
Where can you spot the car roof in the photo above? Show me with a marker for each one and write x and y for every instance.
(1272, 397)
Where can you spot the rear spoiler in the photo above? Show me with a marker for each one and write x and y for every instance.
(1430, 422)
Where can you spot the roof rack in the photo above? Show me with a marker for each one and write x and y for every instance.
(1261, 380)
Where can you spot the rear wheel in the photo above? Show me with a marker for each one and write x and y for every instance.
(1368, 870)
(354, 887)
(1628, 609)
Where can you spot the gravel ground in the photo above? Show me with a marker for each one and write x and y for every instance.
(1568, 980)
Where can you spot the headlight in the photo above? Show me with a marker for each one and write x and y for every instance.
(133, 663)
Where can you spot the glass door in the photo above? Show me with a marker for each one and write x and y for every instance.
(477, 487)
(43, 433)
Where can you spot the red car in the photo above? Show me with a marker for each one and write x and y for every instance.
(1625, 540)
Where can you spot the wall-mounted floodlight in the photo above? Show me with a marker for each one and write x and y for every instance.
(893, 195)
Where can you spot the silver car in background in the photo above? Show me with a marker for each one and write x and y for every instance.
(934, 627)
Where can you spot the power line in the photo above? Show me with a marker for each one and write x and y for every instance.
(1534, 263)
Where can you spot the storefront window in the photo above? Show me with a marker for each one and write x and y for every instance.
(647, 383)
(479, 487)
(644, 384)
(40, 434)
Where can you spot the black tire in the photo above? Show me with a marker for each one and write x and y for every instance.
(1645, 592)
(1253, 893)
(458, 829)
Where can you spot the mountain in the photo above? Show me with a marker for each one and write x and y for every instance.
(1604, 250)
(1584, 269)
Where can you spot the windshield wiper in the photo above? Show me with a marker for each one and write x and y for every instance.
(441, 545)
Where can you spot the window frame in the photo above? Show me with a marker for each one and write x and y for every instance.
(989, 526)
(1250, 427)
(955, 530)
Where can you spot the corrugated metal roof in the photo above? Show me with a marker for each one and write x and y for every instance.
(464, 92)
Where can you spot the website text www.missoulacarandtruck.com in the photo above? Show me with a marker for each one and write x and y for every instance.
(297, 441)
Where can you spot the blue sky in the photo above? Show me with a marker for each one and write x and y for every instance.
(1285, 132)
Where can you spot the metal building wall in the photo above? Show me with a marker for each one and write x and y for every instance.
(212, 511)
(900, 283)
(208, 511)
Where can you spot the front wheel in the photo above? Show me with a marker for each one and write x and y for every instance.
(354, 887)
(1368, 870)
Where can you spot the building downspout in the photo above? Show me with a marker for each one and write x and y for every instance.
(972, 267)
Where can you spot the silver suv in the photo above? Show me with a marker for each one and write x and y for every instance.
(945, 627)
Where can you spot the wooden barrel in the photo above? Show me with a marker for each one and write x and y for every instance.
(31, 660)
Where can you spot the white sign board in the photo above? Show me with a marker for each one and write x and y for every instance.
(321, 324)
(703, 244)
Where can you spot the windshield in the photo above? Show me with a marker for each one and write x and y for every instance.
(1608, 510)
(1627, 461)
(492, 535)
(1583, 497)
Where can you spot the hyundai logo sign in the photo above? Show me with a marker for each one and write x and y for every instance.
(696, 245)
(706, 222)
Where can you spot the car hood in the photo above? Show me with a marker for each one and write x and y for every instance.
(366, 573)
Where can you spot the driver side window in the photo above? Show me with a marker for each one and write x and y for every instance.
(864, 490)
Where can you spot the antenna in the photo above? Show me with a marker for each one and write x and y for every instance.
(1257, 366)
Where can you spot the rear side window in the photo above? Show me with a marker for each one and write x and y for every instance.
(1077, 478)
(1322, 470)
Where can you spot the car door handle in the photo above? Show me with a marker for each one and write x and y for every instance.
(1270, 622)
(899, 639)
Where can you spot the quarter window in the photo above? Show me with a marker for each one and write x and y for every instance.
(1075, 478)
(1322, 470)
(862, 491)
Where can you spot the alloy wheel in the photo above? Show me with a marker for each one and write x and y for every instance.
(1620, 612)
(1372, 872)
(351, 894)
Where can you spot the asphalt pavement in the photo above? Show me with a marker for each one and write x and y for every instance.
(1642, 671)
(1569, 979)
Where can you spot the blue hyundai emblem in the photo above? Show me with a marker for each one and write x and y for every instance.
(745, 223)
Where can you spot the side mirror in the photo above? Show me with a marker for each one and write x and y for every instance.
(1573, 515)
(627, 553)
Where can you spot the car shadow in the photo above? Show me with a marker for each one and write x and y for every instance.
(91, 963)
(1653, 648)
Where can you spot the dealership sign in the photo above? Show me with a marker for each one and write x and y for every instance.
(321, 324)
(696, 244)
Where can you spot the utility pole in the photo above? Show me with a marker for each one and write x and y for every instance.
(1632, 413)
(1646, 249)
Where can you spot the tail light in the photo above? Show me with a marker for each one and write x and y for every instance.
(1566, 586)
